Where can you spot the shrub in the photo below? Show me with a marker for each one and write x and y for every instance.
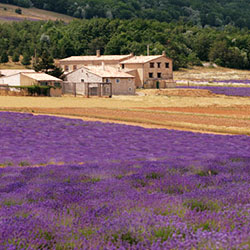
(18, 11)
(35, 90)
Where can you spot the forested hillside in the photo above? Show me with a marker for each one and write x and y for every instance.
(186, 44)
(199, 12)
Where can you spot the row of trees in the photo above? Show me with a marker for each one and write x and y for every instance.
(199, 12)
(186, 44)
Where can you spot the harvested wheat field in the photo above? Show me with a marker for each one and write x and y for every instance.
(194, 110)
(211, 74)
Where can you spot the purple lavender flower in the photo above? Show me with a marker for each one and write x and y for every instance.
(70, 184)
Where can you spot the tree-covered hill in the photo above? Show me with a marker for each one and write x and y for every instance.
(185, 43)
(199, 12)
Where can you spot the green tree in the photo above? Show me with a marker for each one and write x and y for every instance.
(56, 72)
(18, 11)
(4, 57)
(15, 57)
(45, 63)
(26, 59)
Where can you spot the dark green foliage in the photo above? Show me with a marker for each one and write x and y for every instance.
(186, 44)
(4, 57)
(200, 206)
(36, 90)
(56, 72)
(125, 237)
(197, 12)
(39, 90)
(26, 59)
(18, 11)
(15, 57)
(45, 63)
(24, 163)
(207, 172)
(164, 233)
(154, 175)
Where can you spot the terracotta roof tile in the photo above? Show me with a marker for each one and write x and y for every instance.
(10, 72)
(109, 72)
(96, 58)
(141, 59)
(41, 76)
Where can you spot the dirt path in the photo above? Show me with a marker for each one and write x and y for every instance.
(232, 111)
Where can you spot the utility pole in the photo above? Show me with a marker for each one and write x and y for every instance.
(148, 50)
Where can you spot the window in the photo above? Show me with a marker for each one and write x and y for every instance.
(123, 66)
(152, 65)
(74, 67)
(66, 68)
(107, 80)
(130, 89)
(82, 80)
(117, 80)
(159, 64)
(150, 75)
(158, 75)
(44, 84)
(166, 65)
(57, 84)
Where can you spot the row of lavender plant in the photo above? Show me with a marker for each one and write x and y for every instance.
(246, 81)
(223, 90)
(70, 184)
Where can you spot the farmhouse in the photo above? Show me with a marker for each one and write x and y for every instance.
(148, 71)
(75, 62)
(102, 80)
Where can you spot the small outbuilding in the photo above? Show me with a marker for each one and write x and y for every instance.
(33, 78)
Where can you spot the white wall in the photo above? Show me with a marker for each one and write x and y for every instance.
(13, 80)
(84, 74)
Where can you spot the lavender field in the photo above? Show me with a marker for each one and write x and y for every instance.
(224, 90)
(71, 184)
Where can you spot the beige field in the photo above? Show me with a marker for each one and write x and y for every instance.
(211, 74)
(7, 11)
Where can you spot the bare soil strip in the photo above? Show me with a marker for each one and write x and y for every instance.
(233, 111)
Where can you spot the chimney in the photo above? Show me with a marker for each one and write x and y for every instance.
(103, 66)
(98, 53)
(164, 53)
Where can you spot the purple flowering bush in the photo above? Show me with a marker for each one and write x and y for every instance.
(71, 184)
(224, 90)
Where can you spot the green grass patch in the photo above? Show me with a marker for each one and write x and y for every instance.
(201, 206)
(23, 163)
(154, 176)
